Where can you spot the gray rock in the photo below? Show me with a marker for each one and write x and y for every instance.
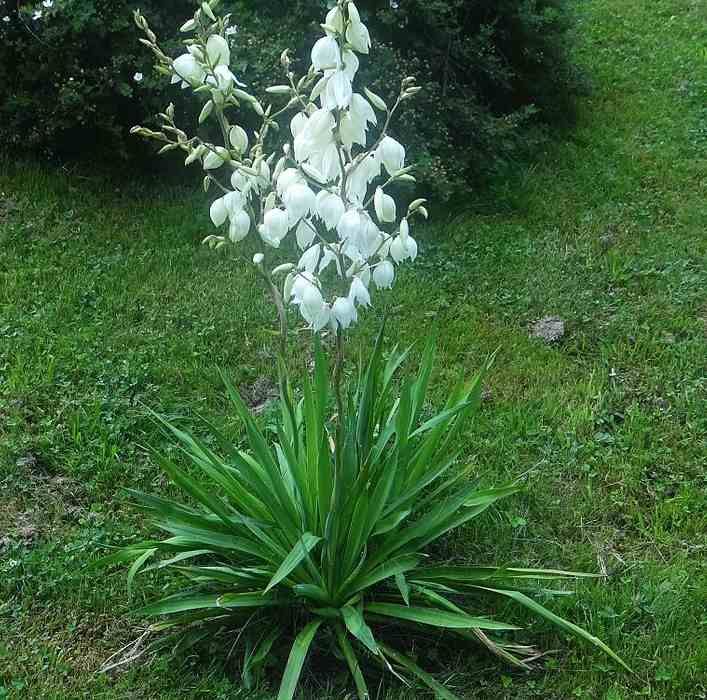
(551, 329)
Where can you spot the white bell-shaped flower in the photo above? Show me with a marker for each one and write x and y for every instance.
(327, 162)
(384, 274)
(328, 257)
(320, 319)
(240, 226)
(216, 158)
(325, 54)
(275, 226)
(344, 312)
(299, 200)
(351, 130)
(402, 249)
(351, 63)
(358, 293)
(362, 111)
(225, 207)
(330, 209)
(263, 178)
(373, 239)
(335, 20)
(298, 124)
(287, 178)
(357, 35)
(218, 51)
(360, 176)
(188, 68)
(391, 154)
(339, 91)
(222, 80)
(238, 138)
(218, 212)
(301, 281)
(385, 206)
(350, 226)
(316, 136)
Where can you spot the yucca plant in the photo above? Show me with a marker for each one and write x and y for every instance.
(326, 530)
(320, 530)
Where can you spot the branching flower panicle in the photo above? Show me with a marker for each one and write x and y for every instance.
(328, 186)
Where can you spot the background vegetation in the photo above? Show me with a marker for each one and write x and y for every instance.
(107, 302)
(493, 74)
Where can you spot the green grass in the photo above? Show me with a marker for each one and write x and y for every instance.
(107, 303)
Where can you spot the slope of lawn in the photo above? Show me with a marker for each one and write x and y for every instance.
(108, 304)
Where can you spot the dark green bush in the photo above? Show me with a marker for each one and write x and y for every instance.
(495, 73)
(66, 78)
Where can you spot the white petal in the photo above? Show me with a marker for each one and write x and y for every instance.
(310, 258)
(357, 35)
(218, 212)
(218, 51)
(239, 226)
(305, 234)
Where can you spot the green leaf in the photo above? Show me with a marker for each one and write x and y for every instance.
(425, 677)
(298, 654)
(356, 625)
(489, 496)
(353, 664)
(436, 617)
(246, 600)
(168, 606)
(455, 575)
(299, 552)
(259, 655)
(396, 565)
(534, 606)
(390, 522)
(403, 587)
(137, 565)
(441, 418)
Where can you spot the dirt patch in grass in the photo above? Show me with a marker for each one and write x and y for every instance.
(37, 506)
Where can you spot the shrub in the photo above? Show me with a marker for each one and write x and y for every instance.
(494, 73)
(67, 83)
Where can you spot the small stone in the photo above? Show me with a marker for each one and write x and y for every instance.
(551, 329)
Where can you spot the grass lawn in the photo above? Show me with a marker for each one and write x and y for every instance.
(107, 303)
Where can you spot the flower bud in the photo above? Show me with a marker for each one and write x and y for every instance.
(376, 101)
(286, 267)
(415, 205)
(206, 111)
(206, 9)
(258, 259)
(279, 90)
